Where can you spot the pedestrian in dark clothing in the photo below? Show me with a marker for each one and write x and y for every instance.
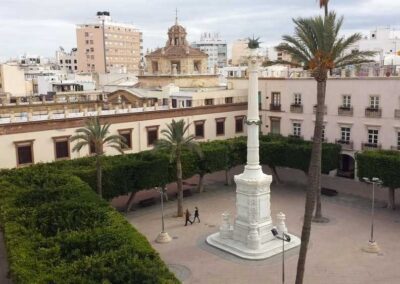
(187, 217)
(196, 214)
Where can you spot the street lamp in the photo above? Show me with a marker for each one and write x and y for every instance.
(162, 237)
(284, 238)
(372, 246)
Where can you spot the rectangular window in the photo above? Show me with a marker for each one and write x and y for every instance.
(346, 101)
(239, 120)
(297, 129)
(152, 135)
(61, 147)
(276, 98)
(228, 100)
(345, 134)
(398, 139)
(174, 103)
(373, 136)
(374, 102)
(297, 99)
(275, 125)
(127, 134)
(199, 128)
(209, 102)
(220, 126)
(24, 150)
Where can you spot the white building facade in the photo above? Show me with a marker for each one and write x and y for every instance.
(362, 113)
(216, 48)
(67, 61)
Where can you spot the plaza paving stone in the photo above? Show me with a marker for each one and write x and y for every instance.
(334, 254)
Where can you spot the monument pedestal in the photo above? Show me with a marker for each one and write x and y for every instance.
(250, 236)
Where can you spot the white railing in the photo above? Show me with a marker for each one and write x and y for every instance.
(116, 110)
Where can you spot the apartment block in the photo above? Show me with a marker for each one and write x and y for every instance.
(107, 46)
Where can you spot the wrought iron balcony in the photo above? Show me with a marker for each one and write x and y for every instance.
(345, 111)
(373, 112)
(275, 107)
(296, 108)
(346, 144)
(315, 109)
(371, 146)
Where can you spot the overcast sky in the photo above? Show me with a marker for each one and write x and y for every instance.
(41, 26)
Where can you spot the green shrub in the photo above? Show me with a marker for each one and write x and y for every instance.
(57, 230)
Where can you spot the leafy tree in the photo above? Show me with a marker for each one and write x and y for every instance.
(317, 47)
(97, 136)
(176, 139)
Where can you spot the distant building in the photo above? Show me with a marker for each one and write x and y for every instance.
(12, 80)
(116, 48)
(67, 61)
(384, 41)
(177, 57)
(62, 83)
(239, 52)
(216, 49)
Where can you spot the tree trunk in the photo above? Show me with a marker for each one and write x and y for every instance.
(319, 122)
(313, 172)
(326, 9)
(99, 176)
(200, 186)
(129, 203)
(179, 184)
(275, 175)
(227, 179)
(318, 210)
(391, 199)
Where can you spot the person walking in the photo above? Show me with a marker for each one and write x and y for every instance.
(187, 217)
(196, 215)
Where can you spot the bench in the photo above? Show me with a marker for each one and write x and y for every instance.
(186, 192)
(328, 191)
(147, 202)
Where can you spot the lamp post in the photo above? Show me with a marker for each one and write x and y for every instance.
(284, 238)
(372, 246)
(162, 237)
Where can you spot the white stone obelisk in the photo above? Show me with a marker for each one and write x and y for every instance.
(250, 236)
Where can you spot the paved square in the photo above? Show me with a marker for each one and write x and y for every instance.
(334, 254)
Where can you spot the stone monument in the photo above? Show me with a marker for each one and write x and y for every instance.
(250, 235)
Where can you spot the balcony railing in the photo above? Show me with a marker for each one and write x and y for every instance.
(275, 107)
(395, 148)
(296, 108)
(315, 109)
(346, 144)
(370, 146)
(373, 112)
(397, 113)
(345, 111)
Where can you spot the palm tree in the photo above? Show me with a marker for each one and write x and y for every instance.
(324, 3)
(317, 47)
(96, 136)
(175, 140)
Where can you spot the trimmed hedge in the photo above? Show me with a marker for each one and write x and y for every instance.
(128, 173)
(57, 230)
(382, 164)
